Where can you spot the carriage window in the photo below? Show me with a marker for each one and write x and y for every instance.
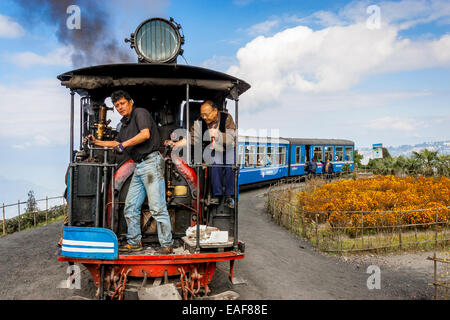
(298, 154)
(317, 154)
(281, 156)
(270, 156)
(348, 154)
(241, 154)
(339, 156)
(329, 153)
(249, 156)
(260, 157)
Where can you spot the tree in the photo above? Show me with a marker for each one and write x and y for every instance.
(31, 202)
(428, 160)
(358, 158)
(425, 162)
(443, 165)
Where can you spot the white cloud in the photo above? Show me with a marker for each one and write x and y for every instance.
(10, 28)
(35, 113)
(396, 124)
(220, 63)
(334, 59)
(58, 57)
(39, 140)
(263, 27)
(405, 13)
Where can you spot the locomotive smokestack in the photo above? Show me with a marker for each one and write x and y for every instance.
(90, 39)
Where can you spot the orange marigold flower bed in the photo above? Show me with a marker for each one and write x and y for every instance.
(371, 198)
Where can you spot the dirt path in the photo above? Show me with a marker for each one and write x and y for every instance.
(29, 268)
(278, 265)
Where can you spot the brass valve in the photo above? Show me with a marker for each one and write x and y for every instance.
(102, 125)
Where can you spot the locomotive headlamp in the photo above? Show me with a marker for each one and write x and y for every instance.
(157, 40)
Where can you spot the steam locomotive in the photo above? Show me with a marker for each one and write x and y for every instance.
(98, 179)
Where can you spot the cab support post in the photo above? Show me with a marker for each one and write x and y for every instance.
(72, 111)
(70, 182)
(236, 174)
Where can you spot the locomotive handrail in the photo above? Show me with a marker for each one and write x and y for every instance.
(93, 164)
(99, 148)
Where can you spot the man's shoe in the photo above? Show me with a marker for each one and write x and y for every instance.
(214, 201)
(229, 202)
(59, 244)
(131, 247)
(165, 250)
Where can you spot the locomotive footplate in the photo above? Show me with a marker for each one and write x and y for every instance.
(116, 273)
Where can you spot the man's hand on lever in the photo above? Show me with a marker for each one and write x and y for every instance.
(118, 147)
(89, 138)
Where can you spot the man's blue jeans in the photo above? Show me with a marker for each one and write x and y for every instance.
(148, 179)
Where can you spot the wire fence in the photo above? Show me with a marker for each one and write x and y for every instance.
(19, 218)
(441, 281)
(357, 231)
(403, 172)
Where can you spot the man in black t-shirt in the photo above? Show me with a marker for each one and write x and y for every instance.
(139, 137)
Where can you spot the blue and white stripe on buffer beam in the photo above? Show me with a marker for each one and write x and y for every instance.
(89, 243)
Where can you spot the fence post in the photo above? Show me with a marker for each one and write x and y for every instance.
(436, 229)
(4, 225)
(362, 230)
(435, 277)
(46, 209)
(317, 230)
(18, 208)
(399, 221)
(415, 234)
(34, 218)
(302, 216)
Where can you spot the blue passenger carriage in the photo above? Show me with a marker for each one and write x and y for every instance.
(310, 155)
(262, 159)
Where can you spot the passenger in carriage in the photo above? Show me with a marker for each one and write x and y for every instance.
(269, 160)
(313, 165)
(139, 137)
(218, 128)
(328, 169)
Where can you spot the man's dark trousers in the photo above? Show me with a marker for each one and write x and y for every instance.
(225, 174)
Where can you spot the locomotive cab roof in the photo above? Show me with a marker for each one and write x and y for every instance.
(171, 78)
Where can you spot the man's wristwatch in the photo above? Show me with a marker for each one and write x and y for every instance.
(119, 148)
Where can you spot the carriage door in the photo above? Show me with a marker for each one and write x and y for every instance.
(307, 153)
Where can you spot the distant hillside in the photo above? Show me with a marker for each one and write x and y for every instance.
(406, 150)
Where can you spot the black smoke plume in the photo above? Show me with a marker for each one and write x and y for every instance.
(94, 42)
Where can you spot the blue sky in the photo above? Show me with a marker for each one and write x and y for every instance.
(325, 69)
